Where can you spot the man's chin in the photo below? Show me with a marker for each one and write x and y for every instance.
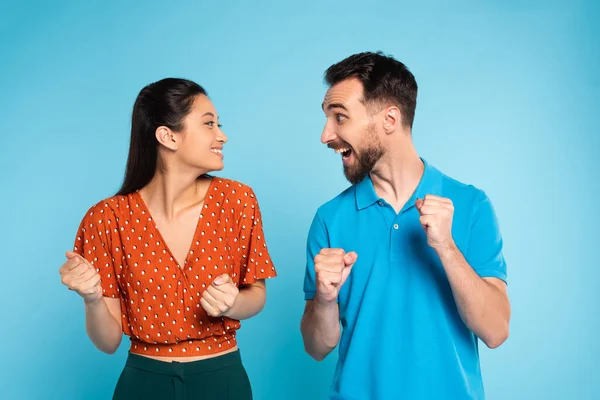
(353, 176)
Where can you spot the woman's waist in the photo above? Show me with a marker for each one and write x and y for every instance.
(184, 366)
(189, 349)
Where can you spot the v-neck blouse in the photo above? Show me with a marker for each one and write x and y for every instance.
(160, 300)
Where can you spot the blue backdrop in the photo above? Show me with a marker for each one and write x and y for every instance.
(508, 101)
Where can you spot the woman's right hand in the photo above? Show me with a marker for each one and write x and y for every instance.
(81, 276)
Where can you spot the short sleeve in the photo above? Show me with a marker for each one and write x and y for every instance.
(317, 240)
(93, 242)
(256, 263)
(484, 253)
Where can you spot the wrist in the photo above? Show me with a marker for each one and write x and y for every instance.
(324, 302)
(92, 303)
(447, 249)
(231, 311)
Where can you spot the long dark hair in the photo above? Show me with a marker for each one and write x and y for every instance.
(162, 103)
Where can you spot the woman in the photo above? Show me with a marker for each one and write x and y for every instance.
(176, 258)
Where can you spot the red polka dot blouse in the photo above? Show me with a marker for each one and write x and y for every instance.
(160, 300)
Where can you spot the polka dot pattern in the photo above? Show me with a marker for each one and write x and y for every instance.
(160, 300)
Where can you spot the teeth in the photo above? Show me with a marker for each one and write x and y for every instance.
(216, 151)
(338, 151)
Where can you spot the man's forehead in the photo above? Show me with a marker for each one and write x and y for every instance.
(347, 91)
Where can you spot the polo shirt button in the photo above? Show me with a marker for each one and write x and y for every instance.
(380, 203)
(395, 226)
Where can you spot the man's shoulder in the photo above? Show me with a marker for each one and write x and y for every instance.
(341, 201)
(468, 199)
(458, 191)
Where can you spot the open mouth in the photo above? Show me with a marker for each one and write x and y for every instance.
(345, 152)
(217, 151)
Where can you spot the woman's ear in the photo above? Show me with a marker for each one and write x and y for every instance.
(166, 137)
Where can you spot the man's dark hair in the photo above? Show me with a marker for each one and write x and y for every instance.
(384, 80)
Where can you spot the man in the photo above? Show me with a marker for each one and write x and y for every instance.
(408, 260)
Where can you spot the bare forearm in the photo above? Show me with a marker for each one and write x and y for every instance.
(250, 301)
(320, 328)
(483, 307)
(102, 328)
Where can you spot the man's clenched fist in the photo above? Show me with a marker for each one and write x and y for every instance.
(332, 267)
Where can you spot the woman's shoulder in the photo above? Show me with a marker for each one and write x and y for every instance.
(231, 193)
(116, 206)
(232, 188)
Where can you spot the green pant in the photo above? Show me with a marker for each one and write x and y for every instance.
(219, 378)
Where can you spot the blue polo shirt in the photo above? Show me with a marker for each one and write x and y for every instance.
(402, 336)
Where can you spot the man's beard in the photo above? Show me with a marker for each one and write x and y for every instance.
(365, 158)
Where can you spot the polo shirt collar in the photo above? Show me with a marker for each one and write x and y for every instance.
(430, 183)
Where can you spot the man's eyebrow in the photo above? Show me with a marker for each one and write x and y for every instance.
(334, 105)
